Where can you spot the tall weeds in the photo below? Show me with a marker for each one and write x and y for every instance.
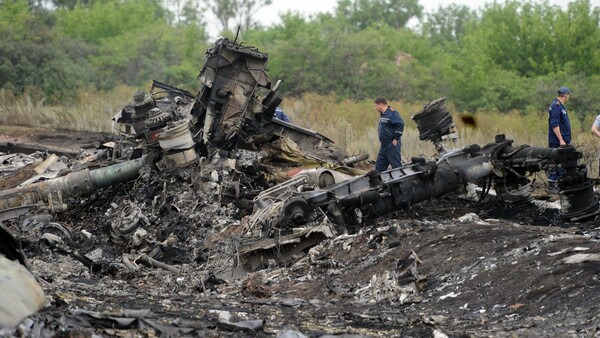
(351, 125)
(92, 111)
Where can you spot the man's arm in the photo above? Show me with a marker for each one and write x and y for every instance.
(596, 130)
(398, 124)
(554, 124)
(556, 131)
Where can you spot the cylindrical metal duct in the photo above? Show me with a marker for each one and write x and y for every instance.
(76, 183)
(355, 159)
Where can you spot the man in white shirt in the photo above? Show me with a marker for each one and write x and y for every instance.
(596, 132)
(596, 127)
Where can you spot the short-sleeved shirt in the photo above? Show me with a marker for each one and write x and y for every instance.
(597, 122)
(557, 116)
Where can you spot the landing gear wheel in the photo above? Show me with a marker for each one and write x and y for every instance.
(297, 210)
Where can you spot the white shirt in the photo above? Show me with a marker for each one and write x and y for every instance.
(597, 122)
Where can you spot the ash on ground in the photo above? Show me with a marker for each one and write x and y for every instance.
(160, 256)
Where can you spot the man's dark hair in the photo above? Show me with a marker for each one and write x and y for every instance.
(381, 100)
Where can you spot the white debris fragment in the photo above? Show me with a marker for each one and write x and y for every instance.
(581, 258)
(567, 250)
(138, 236)
(439, 334)
(397, 286)
(450, 295)
(543, 205)
(21, 295)
(471, 218)
(95, 255)
(86, 233)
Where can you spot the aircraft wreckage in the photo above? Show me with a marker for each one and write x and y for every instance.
(302, 188)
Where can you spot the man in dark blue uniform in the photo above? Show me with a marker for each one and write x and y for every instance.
(391, 127)
(559, 130)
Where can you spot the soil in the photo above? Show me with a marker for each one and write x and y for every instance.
(478, 269)
(21, 139)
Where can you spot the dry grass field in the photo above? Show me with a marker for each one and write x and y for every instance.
(350, 124)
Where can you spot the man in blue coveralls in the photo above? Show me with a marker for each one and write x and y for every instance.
(559, 131)
(391, 127)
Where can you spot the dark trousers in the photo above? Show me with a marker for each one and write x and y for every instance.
(553, 172)
(388, 155)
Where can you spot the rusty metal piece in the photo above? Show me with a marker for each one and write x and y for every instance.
(322, 178)
(176, 136)
(178, 159)
(76, 183)
(355, 159)
(255, 256)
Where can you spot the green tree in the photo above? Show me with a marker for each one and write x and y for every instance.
(321, 55)
(33, 56)
(448, 24)
(576, 33)
(535, 39)
(15, 19)
(190, 15)
(110, 18)
(70, 4)
(360, 14)
(241, 12)
(170, 54)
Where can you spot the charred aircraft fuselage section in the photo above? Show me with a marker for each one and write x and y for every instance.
(498, 164)
(172, 128)
(235, 107)
(236, 98)
(236, 104)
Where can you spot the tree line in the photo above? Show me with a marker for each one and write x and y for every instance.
(509, 56)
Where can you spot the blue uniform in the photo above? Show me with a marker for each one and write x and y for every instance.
(557, 116)
(391, 127)
(279, 114)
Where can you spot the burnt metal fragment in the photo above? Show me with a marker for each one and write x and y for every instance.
(498, 164)
(55, 191)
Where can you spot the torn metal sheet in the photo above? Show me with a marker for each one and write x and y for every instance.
(282, 249)
(225, 322)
